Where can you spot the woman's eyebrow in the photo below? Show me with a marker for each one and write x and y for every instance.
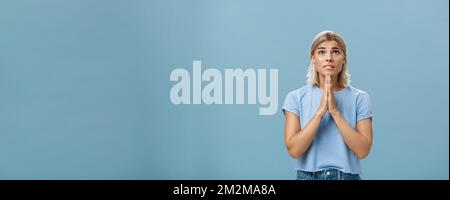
(333, 48)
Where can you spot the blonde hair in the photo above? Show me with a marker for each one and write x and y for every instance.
(312, 75)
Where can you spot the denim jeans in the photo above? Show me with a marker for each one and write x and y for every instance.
(327, 174)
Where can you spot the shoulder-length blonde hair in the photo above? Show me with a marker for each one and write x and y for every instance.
(312, 75)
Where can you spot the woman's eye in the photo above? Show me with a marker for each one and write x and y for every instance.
(321, 52)
(336, 52)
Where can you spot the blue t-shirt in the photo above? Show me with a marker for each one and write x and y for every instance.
(328, 149)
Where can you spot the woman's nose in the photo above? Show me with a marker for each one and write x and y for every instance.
(328, 58)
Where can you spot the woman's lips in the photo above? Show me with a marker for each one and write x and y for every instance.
(329, 67)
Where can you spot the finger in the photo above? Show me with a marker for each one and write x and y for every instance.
(332, 100)
(328, 100)
(329, 94)
(329, 81)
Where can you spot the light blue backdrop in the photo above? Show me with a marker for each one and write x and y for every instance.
(84, 86)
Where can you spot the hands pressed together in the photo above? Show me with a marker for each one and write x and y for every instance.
(328, 102)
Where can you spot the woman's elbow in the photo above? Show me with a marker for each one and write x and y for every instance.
(294, 154)
(362, 155)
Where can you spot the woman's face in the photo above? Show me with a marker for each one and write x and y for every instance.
(328, 58)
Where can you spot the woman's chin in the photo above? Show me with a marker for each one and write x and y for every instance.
(328, 73)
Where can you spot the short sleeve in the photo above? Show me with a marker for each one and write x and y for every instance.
(291, 104)
(364, 107)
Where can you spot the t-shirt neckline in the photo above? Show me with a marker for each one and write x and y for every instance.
(337, 92)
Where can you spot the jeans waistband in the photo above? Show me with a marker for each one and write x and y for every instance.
(329, 173)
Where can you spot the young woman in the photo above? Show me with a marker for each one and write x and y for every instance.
(328, 127)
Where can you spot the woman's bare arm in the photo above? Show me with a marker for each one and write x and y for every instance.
(296, 139)
(359, 140)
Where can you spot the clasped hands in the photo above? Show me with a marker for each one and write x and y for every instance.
(328, 103)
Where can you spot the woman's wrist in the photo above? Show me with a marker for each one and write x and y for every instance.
(320, 114)
(334, 113)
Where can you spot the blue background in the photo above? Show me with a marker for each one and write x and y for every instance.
(84, 86)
